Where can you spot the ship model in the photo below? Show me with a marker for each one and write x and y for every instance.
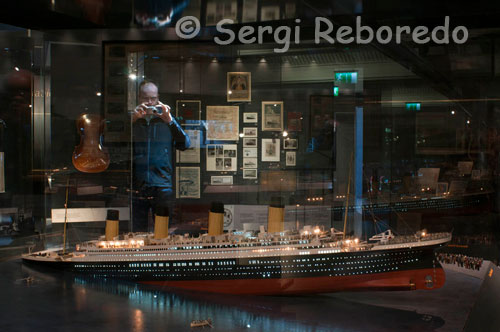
(272, 262)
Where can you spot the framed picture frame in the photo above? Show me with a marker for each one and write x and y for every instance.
(249, 11)
(250, 132)
(218, 10)
(294, 121)
(250, 142)
(221, 180)
(191, 155)
(222, 157)
(250, 163)
(223, 123)
(188, 111)
(270, 149)
(291, 158)
(272, 116)
(250, 117)
(239, 86)
(187, 182)
(270, 13)
(250, 153)
(290, 144)
(250, 173)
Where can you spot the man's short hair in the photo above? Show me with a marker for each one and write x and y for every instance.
(146, 81)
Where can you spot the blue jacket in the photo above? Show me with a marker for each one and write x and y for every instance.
(154, 143)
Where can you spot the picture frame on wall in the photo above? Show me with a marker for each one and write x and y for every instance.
(291, 158)
(222, 157)
(188, 111)
(250, 132)
(250, 117)
(223, 123)
(192, 154)
(239, 86)
(250, 173)
(250, 163)
(290, 144)
(272, 116)
(250, 152)
(225, 180)
(250, 142)
(187, 182)
(270, 149)
(249, 11)
(294, 121)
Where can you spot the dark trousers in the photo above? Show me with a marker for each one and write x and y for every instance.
(144, 204)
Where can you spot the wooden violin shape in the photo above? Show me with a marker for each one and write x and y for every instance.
(90, 156)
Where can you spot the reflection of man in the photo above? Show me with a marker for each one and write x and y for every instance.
(155, 134)
(154, 14)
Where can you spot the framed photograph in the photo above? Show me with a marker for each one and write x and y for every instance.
(475, 174)
(249, 152)
(188, 182)
(249, 173)
(249, 142)
(239, 86)
(249, 11)
(270, 149)
(290, 143)
(222, 157)
(223, 123)
(221, 9)
(270, 13)
(250, 163)
(272, 116)
(250, 132)
(250, 117)
(188, 111)
(291, 158)
(221, 180)
(294, 121)
(191, 155)
(441, 188)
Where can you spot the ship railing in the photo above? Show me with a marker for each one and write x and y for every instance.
(413, 238)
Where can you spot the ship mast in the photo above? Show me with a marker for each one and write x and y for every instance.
(65, 216)
(347, 196)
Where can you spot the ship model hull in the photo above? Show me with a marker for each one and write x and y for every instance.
(308, 272)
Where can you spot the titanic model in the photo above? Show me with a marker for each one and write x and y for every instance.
(275, 262)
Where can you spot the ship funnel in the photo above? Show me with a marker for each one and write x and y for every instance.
(112, 220)
(216, 219)
(161, 222)
(276, 216)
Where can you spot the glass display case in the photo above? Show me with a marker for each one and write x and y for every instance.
(287, 163)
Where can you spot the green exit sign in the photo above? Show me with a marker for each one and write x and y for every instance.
(413, 106)
(336, 91)
(347, 77)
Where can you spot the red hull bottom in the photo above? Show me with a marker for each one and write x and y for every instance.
(400, 280)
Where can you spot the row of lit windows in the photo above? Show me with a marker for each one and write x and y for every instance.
(185, 264)
(257, 262)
